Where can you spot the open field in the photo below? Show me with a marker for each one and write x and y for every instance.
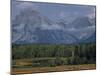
(53, 69)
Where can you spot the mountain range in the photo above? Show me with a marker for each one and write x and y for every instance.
(32, 27)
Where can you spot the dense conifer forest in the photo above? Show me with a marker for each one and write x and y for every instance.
(53, 55)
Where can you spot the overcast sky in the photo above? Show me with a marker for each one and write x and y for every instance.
(54, 11)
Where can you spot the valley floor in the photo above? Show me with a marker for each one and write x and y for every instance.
(53, 69)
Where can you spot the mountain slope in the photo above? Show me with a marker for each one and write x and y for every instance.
(80, 22)
(32, 27)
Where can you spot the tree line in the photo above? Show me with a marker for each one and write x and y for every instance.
(74, 54)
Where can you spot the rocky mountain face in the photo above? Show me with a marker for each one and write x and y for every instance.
(32, 27)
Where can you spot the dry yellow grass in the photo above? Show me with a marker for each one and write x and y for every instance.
(54, 69)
